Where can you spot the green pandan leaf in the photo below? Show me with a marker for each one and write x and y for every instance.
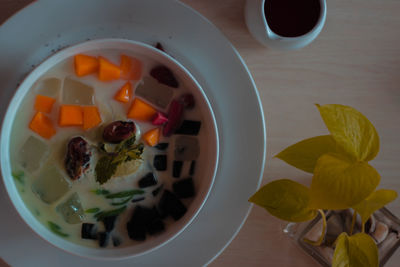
(358, 250)
(351, 130)
(373, 202)
(304, 154)
(339, 184)
(286, 200)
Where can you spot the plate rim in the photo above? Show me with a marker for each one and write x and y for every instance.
(259, 107)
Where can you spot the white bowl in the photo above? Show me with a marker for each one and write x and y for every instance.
(203, 185)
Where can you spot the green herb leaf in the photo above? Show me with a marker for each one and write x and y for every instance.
(286, 200)
(100, 191)
(105, 169)
(19, 176)
(304, 154)
(120, 158)
(126, 150)
(101, 215)
(358, 250)
(339, 184)
(351, 130)
(128, 193)
(373, 202)
(121, 202)
(55, 228)
(92, 210)
(126, 144)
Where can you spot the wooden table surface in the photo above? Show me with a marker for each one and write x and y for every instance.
(355, 61)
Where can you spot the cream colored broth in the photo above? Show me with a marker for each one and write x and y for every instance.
(110, 110)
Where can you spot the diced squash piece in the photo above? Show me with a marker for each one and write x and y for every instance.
(141, 111)
(44, 103)
(152, 137)
(85, 65)
(124, 94)
(91, 117)
(108, 71)
(42, 125)
(70, 115)
(131, 68)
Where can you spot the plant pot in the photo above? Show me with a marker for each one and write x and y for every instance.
(383, 226)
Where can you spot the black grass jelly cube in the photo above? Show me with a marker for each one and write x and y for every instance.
(189, 127)
(177, 168)
(104, 238)
(88, 231)
(171, 205)
(184, 188)
(137, 226)
(156, 191)
(148, 180)
(160, 162)
(161, 146)
(109, 223)
(155, 227)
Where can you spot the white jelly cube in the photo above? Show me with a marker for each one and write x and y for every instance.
(49, 87)
(77, 93)
(32, 153)
(49, 185)
(71, 210)
(155, 92)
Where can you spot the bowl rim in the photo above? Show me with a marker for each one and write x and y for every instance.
(37, 227)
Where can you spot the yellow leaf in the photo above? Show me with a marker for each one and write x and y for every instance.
(304, 154)
(286, 200)
(358, 250)
(373, 202)
(339, 184)
(351, 130)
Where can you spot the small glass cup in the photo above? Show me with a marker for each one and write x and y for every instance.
(259, 28)
(384, 227)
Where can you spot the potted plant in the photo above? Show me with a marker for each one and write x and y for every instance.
(343, 186)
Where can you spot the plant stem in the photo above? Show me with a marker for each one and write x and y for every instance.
(322, 236)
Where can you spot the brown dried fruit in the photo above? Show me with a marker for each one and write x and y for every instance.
(78, 157)
(164, 75)
(118, 131)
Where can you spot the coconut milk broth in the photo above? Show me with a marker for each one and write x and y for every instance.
(110, 110)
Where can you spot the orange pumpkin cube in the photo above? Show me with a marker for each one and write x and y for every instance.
(124, 94)
(91, 117)
(152, 137)
(108, 71)
(42, 125)
(85, 65)
(70, 115)
(131, 68)
(141, 111)
(44, 103)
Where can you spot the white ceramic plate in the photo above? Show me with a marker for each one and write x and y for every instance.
(47, 25)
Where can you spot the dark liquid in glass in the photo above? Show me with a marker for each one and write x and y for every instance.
(292, 18)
